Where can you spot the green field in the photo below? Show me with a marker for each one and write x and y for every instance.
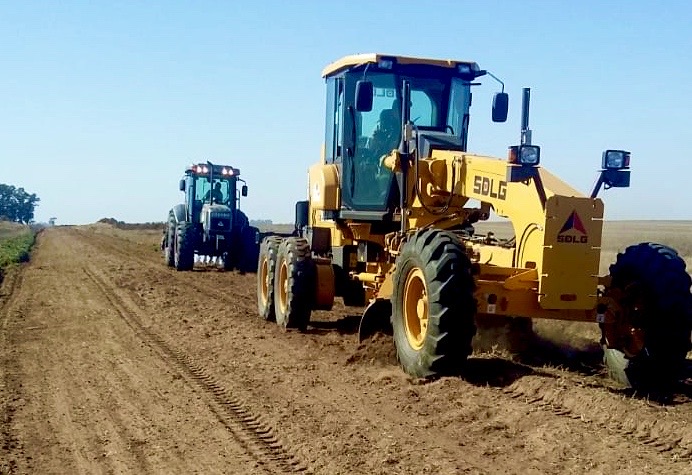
(15, 243)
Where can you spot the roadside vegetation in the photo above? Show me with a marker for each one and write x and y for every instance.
(15, 244)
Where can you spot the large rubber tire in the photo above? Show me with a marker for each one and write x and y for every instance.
(433, 306)
(228, 261)
(169, 249)
(656, 299)
(294, 284)
(249, 249)
(184, 246)
(266, 269)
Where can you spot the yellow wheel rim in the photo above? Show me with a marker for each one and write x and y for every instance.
(264, 281)
(283, 287)
(415, 308)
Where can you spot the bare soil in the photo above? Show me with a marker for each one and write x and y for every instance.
(111, 362)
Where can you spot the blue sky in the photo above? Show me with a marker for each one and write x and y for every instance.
(104, 103)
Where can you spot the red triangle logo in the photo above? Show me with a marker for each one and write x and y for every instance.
(574, 222)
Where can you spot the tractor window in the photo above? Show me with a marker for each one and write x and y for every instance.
(338, 126)
(428, 102)
(422, 108)
(377, 133)
(205, 191)
(459, 103)
(333, 131)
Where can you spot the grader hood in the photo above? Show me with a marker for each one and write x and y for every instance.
(571, 253)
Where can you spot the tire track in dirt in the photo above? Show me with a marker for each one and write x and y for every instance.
(594, 404)
(254, 435)
(107, 247)
(665, 436)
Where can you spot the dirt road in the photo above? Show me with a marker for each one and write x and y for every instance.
(112, 363)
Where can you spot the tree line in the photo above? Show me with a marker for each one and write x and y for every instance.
(16, 204)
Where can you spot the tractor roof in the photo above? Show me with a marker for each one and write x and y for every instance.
(348, 62)
(204, 169)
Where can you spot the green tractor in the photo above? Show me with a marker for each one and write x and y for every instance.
(209, 225)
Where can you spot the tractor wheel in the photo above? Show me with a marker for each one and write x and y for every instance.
(294, 284)
(228, 261)
(433, 307)
(266, 269)
(249, 249)
(184, 256)
(653, 290)
(169, 249)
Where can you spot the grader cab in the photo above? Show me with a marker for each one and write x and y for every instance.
(389, 223)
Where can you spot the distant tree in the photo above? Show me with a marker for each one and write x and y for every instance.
(16, 204)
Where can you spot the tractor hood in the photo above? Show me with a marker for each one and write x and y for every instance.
(216, 218)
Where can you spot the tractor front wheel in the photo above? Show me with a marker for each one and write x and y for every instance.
(184, 256)
(266, 269)
(648, 347)
(294, 284)
(433, 307)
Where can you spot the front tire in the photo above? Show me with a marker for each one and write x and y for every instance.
(294, 284)
(184, 246)
(654, 293)
(266, 270)
(433, 306)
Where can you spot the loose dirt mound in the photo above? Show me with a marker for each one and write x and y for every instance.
(112, 362)
(130, 226)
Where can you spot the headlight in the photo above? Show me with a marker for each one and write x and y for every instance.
(615, 159)
(527, 155)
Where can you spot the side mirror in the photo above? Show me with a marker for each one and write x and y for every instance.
(364, 93)
(181, 185)
(500, 106)
(243, 190)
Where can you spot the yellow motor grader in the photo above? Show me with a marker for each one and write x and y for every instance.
(389, 223)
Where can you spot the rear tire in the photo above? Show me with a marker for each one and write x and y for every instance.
(249, 249)
(228, 264)
(184, 246)
(433, 306)
(656, 300)
(266, 269)
(169, 250)
(294, 284)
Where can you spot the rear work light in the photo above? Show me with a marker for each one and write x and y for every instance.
(615, 160)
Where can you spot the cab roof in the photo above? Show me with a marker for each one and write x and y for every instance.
(351, 61)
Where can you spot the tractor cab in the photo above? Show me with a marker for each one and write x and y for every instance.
(210, 188)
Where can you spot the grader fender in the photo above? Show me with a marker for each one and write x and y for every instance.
(376, 318)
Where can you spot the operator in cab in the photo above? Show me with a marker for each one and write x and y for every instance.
(216, 194)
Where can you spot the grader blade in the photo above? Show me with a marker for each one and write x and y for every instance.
(376, 318)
